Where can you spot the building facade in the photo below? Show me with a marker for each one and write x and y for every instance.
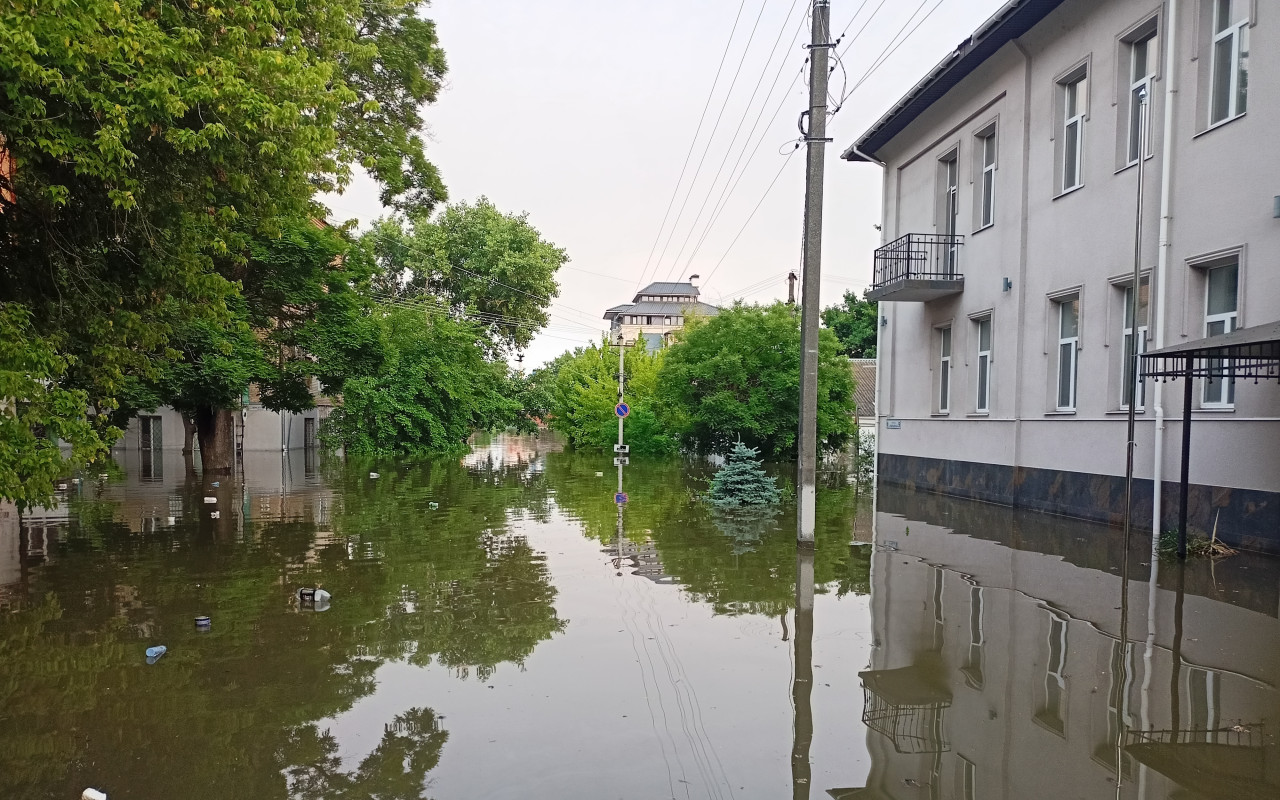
(1011, 223)
(656, 313)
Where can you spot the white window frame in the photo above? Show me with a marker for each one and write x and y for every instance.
(1074, 354)
(1225, 389)
(1078, 89)
(1126, 331)
(949, 205)
(944, 369)
(987, 181)
(983, 382)
(1137, 85)
(1237, 32)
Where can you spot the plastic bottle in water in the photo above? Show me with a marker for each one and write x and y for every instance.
(154, 653)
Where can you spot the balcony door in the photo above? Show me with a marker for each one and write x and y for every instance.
(950, 190)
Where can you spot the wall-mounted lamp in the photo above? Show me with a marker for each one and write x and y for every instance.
(1008, 284)
(884, 321)
(1275, 209)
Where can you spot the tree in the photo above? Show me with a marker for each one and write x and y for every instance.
(154, 141)
(742, 481)
(472, 257)
(582, 386)
(433, 388)
(736, 376)
(854, 322)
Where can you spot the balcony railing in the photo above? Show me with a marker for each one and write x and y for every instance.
(918, 267)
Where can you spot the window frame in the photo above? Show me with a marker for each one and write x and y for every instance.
(1150, 40)
(945, 350)
(948, 205)
(1074, 86)
(1062, 341)
(986, 154)
(1237, 32)
(1126, 331)
(982, 388)
(1226, 390)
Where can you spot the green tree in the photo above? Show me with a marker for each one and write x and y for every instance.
(495, 266)
(434, 387)
(582, 389)
(854, 322)
(742, 481)
(736, 376)
(152, 142)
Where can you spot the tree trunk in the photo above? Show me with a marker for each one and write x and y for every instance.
(216, 429)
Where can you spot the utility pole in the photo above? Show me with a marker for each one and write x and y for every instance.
(816, 141)
(791, 287)
(619, 453)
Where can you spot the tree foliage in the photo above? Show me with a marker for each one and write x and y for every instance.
(736, 376)
(582, 391)
(433, 388)
(472, 257)
(152, 143)
(854, 322)
(742, 481)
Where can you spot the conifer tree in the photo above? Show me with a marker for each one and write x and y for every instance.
(742, 481)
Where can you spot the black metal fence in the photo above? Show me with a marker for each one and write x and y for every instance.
(918, 255)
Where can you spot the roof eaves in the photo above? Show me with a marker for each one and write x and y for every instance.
(1014, 19)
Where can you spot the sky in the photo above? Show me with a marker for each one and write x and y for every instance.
(584, 115)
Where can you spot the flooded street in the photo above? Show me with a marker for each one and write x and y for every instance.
(491, 636)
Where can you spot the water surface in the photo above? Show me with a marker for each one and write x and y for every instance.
(491, 635)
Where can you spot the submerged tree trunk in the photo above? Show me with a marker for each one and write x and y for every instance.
(216, 429)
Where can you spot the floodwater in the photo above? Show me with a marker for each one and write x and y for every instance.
(490, 635)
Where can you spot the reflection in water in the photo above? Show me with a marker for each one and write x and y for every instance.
(494, 633)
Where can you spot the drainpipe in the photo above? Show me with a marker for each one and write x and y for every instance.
(875, 456)
(1162, 264)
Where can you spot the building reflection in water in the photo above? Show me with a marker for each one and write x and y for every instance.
(999, 669)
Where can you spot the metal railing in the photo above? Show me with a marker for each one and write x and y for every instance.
(918, 256)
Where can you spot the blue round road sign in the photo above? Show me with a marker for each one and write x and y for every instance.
(620, 498)
(622, 409)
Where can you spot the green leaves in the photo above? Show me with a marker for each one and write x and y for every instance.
(855, 323)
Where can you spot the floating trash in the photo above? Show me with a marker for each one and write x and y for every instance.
(208, 501)
(216, 484)
(215, 515)
(433, 506)
(93, 794)
(154, 653)
(599, 474)
(315, 599)
(203, 623)
(374, 475)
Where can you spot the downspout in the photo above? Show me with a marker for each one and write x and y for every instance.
(1162, 265)
(875, 456)
(1023, 235)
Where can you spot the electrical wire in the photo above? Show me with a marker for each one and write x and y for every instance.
(884, 55)
(693, 144)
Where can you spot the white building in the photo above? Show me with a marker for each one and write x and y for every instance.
(656, 313)
(1010, 197)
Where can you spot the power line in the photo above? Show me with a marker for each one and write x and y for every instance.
(692, 144)
(764, 70)
(885, 54)
(710, 138)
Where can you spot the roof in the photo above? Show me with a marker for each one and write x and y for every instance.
(1013, 20)
(864, 393)
(1244, 353)
(664, 288)
(652, 307)
(609, 312)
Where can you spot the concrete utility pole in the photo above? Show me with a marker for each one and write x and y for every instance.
(816, 141)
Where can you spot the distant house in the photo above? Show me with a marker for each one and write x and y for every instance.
(864, 397)
(656, 313)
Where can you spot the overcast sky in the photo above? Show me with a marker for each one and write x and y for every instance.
(582, 114)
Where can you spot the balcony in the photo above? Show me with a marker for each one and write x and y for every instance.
(917, 268)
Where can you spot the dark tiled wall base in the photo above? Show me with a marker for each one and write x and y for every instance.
(1246, 518)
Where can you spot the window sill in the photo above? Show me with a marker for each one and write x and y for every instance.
(1133, 164)
(1060, 413)
(1125, 412)
(979, 415)
(1215, 126)
(1066, 192)
(1214, 410)
(941, 414)
(986, 227)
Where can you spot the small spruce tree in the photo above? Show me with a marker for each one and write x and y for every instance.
(742, 481)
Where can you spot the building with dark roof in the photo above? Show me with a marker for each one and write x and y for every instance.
(656, 313)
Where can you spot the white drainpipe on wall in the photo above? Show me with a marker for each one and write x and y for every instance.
(1162, 262)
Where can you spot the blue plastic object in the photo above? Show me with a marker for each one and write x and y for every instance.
(157, 651)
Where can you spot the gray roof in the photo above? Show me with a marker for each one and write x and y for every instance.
(609, 312)
(1012, 20)
(654, 307)
(684, 289)
(864, 376)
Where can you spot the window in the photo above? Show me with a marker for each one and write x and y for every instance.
(1052, 713)
(1074, 96)
(944, 371)
(1142, 59)
(666, 320)
(972, 668)
(1068, 344)
(1130, 342)
(986, 185)
(1221, 303)
(1229, 62)
(984, 365)
(948, 204)
(969, 777)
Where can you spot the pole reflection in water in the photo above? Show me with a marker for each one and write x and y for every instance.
(802, 679)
